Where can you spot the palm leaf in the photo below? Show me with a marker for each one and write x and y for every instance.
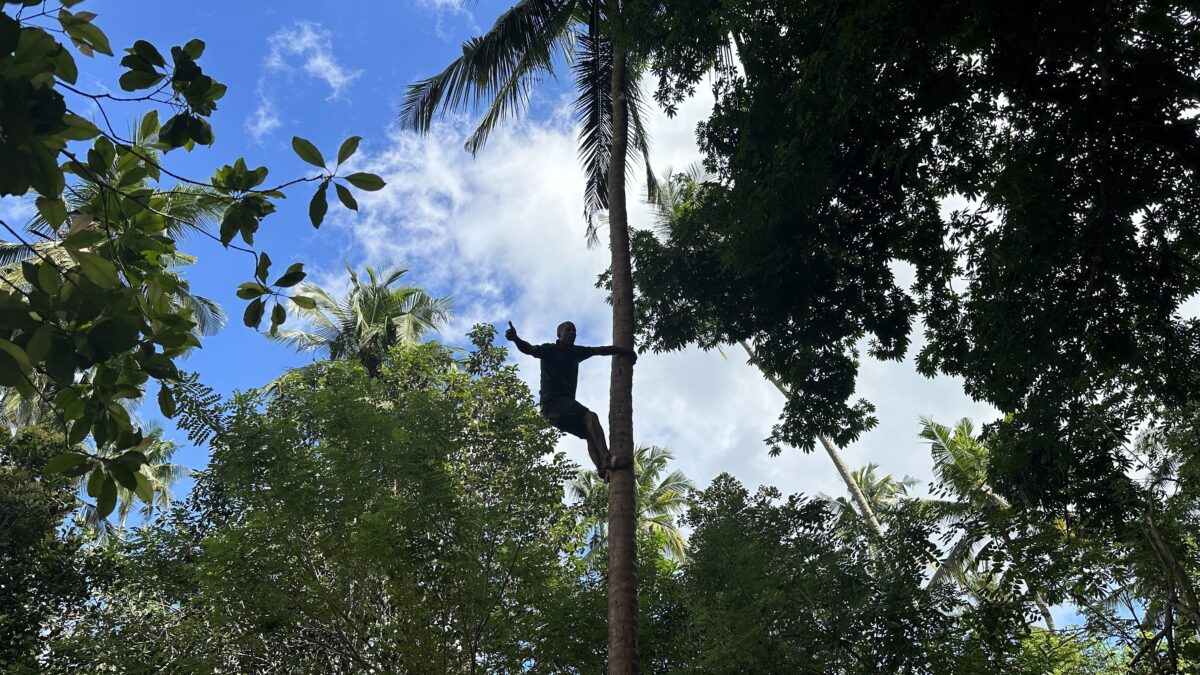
(593, 113)
(496, 67)
(639, 136)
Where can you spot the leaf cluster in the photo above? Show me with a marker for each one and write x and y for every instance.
(93, 309)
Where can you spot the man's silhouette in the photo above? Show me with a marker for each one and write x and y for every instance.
(560, 374)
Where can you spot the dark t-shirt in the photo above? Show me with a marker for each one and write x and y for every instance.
(560, 369)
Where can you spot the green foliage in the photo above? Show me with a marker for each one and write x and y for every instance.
(1065, 131)
(775, 588)
(389, 523)
(44, 578)
(96, 296)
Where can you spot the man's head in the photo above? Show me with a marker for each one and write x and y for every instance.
(566, 333)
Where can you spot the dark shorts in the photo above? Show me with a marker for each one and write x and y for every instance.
(566, 414)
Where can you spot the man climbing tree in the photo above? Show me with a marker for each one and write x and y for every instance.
(560, 375)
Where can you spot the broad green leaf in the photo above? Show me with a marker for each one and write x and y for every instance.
(160, 367)
(278, 316)
(345, 197)
(149, 125)
(263, 266)
(54, 211)
(123, 474)
(194, 48)
(294, 275)
(148, 52)
(62, 462)
(48, 279)
(111, 336)
(133, 80)
(91, 35)
(166, 401)
(25, 389)
(107, 500)
(251, 290)
(65, 68)
(95, 482)
(97, 269)
(44, 173)
(83, 238)
(144, 490)
(318, 206)
(17, 354)
(308, 152)
(366, 181)
(79, 430)
(304, 301)
(14, 364)
(79, 128)
(135, 458)
(254, 313)
(132, 177)
(349, 146)
(39, 343)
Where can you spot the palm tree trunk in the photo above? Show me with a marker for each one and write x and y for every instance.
(856, 493)
(622, 509)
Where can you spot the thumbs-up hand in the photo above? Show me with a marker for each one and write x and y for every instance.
(511, 333)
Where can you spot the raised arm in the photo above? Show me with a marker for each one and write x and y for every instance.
(613, 350)
(522, 346)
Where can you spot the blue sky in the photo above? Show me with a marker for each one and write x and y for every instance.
(501, 233)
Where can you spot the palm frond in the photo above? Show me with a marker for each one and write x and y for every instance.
(193, 208)
(12, 253)
(956, 564)
(299, 340)
(494, 67)
(512, 97)
(639, 137)
(593, 111)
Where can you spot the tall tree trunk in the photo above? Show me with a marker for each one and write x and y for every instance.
(852, 486)
(622, 509)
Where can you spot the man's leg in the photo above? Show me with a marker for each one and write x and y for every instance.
(597, 446)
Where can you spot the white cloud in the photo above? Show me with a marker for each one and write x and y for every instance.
(443, 9)
(503, 234)
(304, 47)
(308, 46)
(263, 120)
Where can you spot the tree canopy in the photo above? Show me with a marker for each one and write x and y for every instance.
(1033, 165)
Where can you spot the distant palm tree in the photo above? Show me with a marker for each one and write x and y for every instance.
(660, 500)
(369, 319)
(960, 461)
(881, 492)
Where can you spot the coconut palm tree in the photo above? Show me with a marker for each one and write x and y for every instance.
(881, 491)
(960, 461)
(366, 321)
(497, 71)
(660, 499)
